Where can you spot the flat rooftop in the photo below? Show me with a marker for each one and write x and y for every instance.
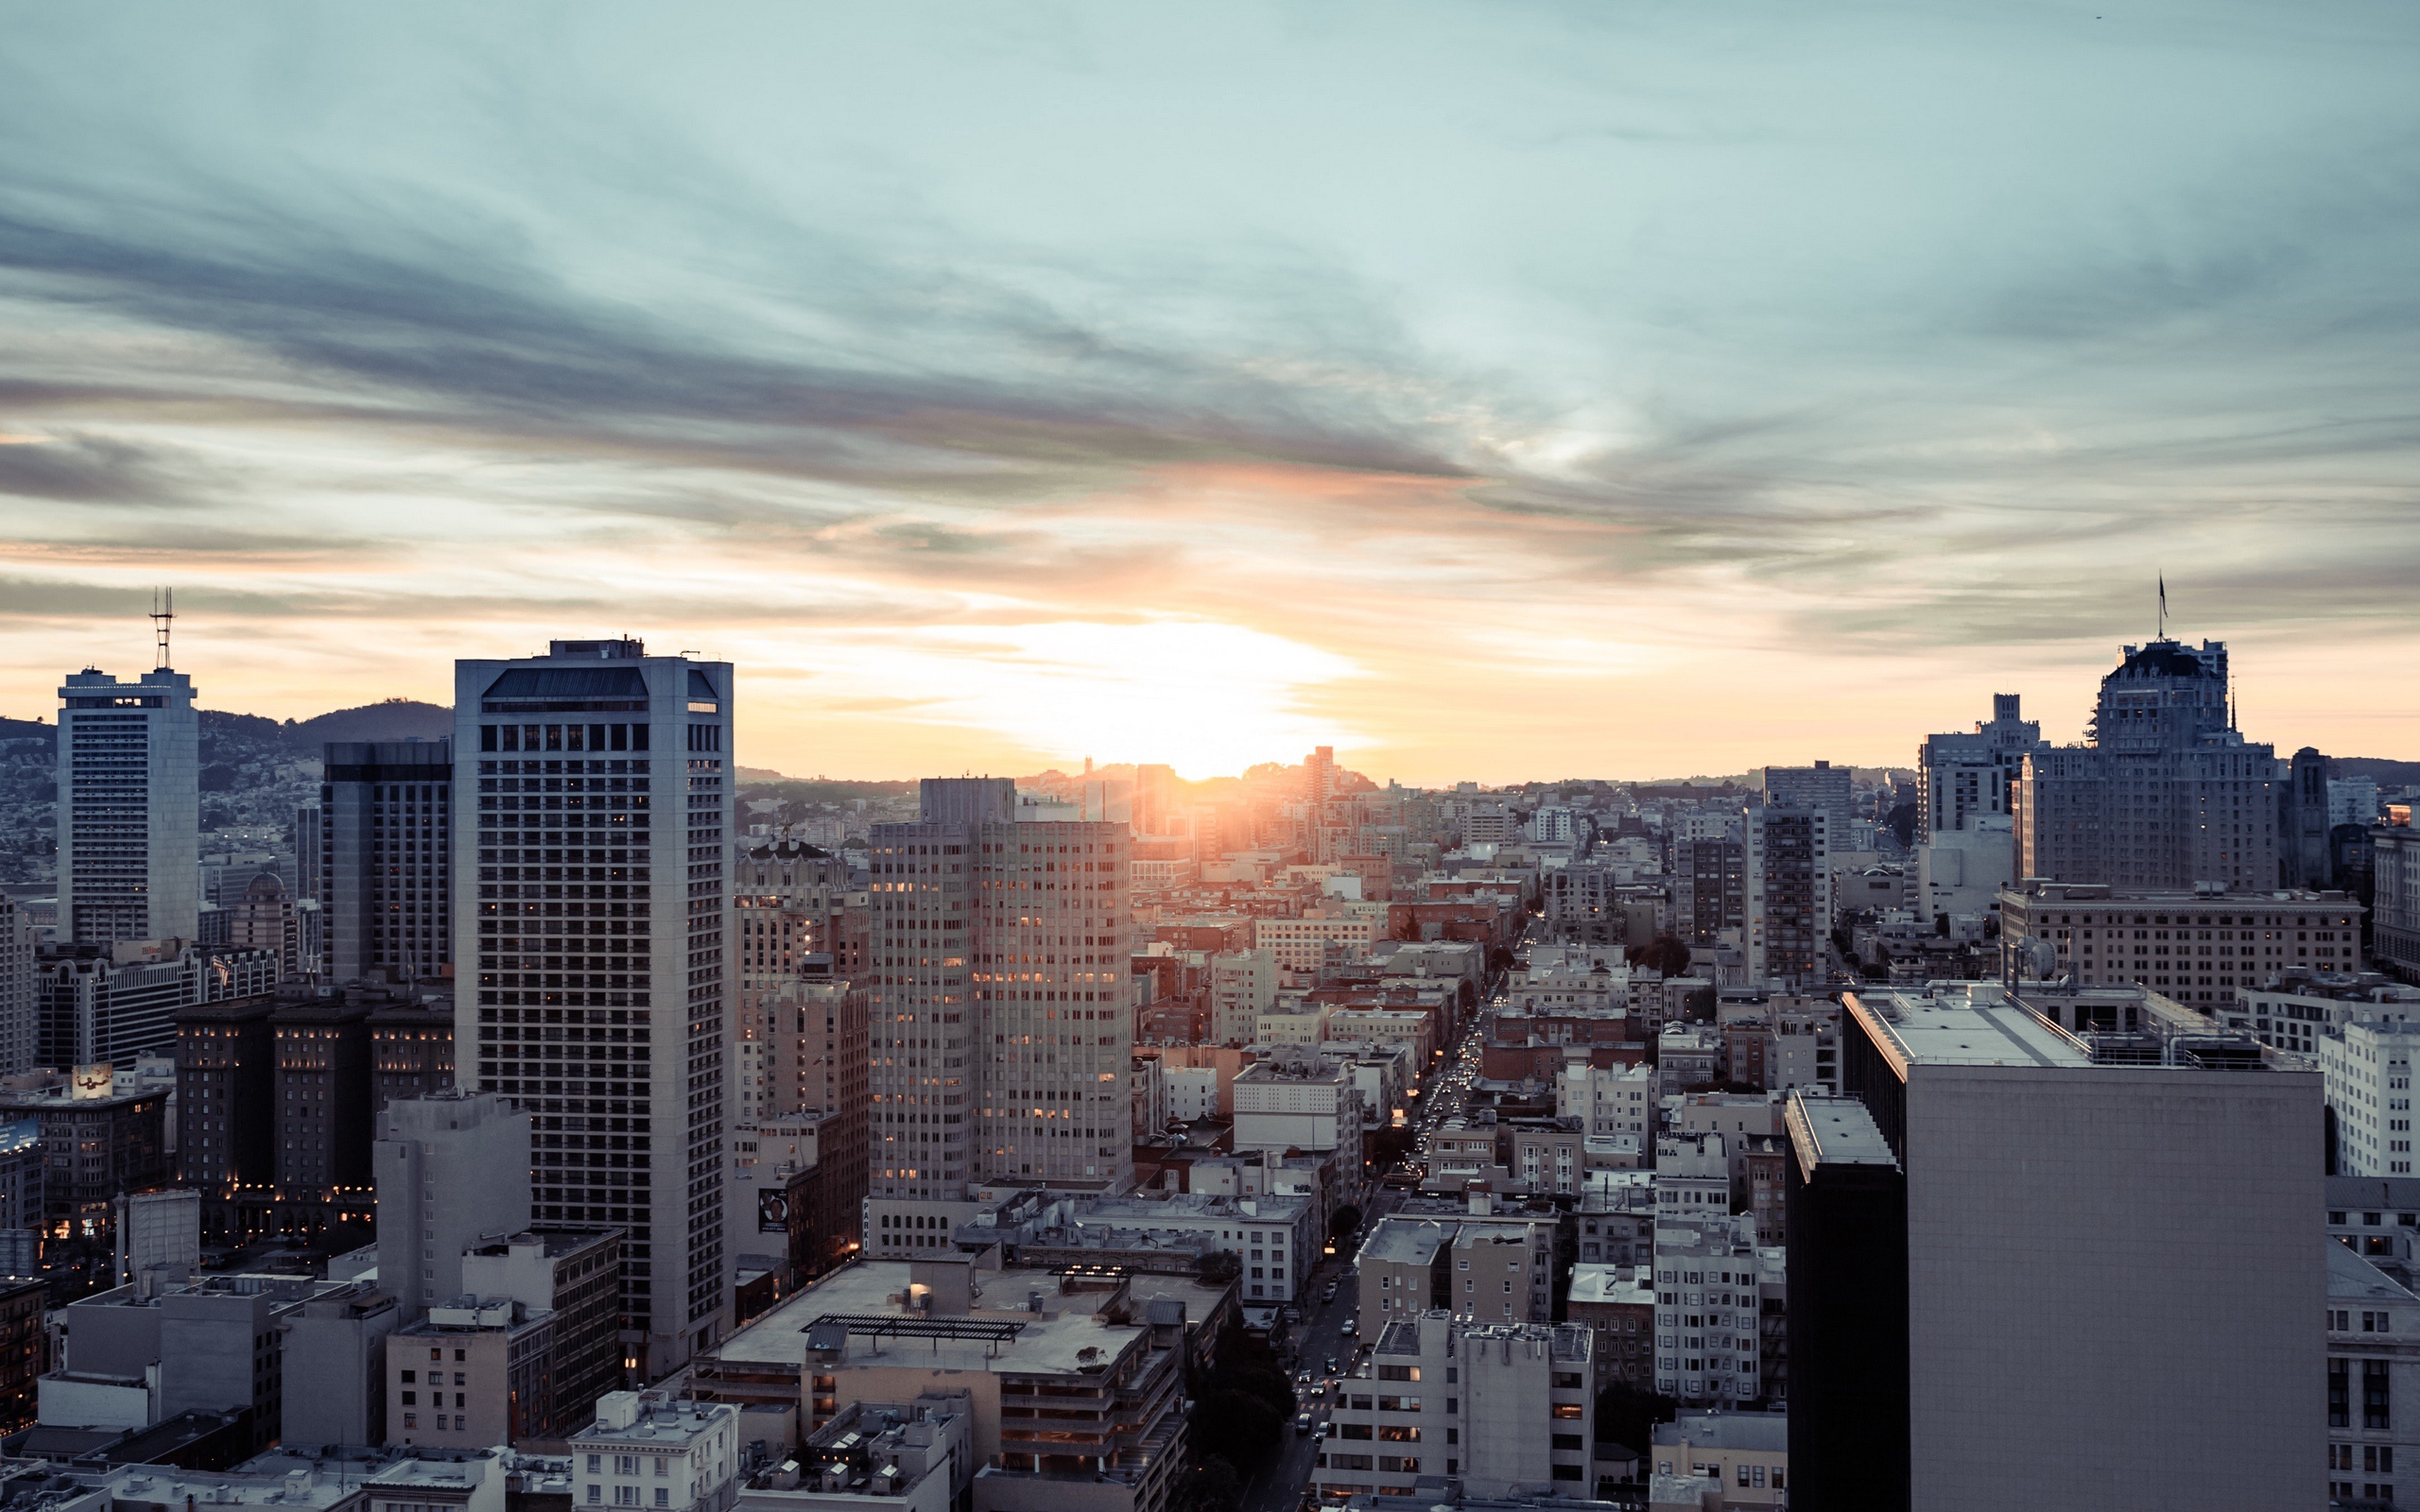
(874, 1288)
(1404, 1243)
(1610, 1283)
(1974, 1027)
(1838, 1131)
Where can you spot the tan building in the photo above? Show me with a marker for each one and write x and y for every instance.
(1747, 1454)
(2198, 948)
(1304, 944)
(470, 1375)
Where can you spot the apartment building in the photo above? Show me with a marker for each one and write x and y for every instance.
(2196, 947)
(1495, 1405)
(1707, 1303)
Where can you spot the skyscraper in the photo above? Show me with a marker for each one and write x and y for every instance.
(20, 989)
(1788, 866)
(2168, 795)
(1000, 1032)
(130, 807)
(386, 842)
(598, 895)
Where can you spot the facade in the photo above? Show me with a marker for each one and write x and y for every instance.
(1822, 787)
(2166, 796)
(1962, 775)
(471, 1373)
(2373, 1375)
(572, 1276)
(1494, 1405)
(116, 1003)
(1709, 889)
(324, 1113)
(1788, 878)
(1746, 1453)
(1848, 1318)
(597, 894)
(2367, 1067)
(1001, 1037)
(130, 808)
(1305, 944)
(1707, 1303)
(20, 989)
(2394, 874)
(1609, 1099)
(876, 1456)
(411, 1049)
(1619, 1303)
(334, 1362)
(2198, 947)
(96, 1150)
(452, 1170)
(1243, 986)
(386, 860)
(1298, 1102)
(2168, 1171)
(227, 1100)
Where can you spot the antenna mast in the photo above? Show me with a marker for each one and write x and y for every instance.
(163, 609)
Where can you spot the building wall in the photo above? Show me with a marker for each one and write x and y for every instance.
(450, 1170)
(601, 778)
(130, 808)
(2072, 1233)
(386, 859)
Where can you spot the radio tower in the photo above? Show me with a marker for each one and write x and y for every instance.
(163, 609)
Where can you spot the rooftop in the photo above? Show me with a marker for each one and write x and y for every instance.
(1050, 1341)
(1765, 1432)
(1612, 1283)
(1403, 1242)
(1977, 1026)
(2351, 1279)
(1836, 1132)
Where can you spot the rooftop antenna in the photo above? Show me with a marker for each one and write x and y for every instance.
(164, 608)
(2163, 605)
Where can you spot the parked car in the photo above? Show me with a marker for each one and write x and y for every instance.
(1303, 1423)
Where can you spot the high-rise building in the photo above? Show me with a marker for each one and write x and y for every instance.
(130, 807)
(1243, 986)
(1788, 880)
(598, 895)
(20, 988)
(2367, 1063)
(1502, 1407)
(453, 1174)
(385, 844)
(1000, 1033)
(113, 1004)
(1709, 889)
(2167, 794)
(2076, 1210)
(1960, 775)
(2198, 947)
(324, 1119)
(1823, 787)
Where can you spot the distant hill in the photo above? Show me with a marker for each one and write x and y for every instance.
(393, 719)
(2377, 769)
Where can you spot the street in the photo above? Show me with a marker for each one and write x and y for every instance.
(1319, 1334)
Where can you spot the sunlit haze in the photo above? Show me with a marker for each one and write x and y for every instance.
(1489, 392)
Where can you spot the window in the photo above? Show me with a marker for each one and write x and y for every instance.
(2340, 1394)
(663, 1496)
(596, 1462)
(1568, 1410)
(1398, 1433)
(2374, 1394)
(626, 1496)
(1353, 1430)
(595, 1493)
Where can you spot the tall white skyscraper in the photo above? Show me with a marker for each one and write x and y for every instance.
(594, 886)
(130, 807)
(998, 968)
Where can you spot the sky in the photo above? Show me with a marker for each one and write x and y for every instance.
(1493, 392)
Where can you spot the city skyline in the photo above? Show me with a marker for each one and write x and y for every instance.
(1524, 394)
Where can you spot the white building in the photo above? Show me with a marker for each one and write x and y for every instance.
(1609, 1099)
(656, 1451)
(1243, 986)
(1963, 870)
(1192, 1092)
(1693, 1177)
(2352, 800)
(1706, 1308)
(1297, 1102)
(2373, 1381)
(130, 808)
(598, 895)
(1496, 1406)
(2367, 1066)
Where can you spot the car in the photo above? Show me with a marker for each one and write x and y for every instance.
(1302, 1424)
(1332, 1365)
(1318, 1389)
(1352, 1326)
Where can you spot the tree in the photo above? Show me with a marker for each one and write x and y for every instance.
(1211, 1485)
(1219, 1267)
(1237, 1427)
(1343, 1223)
(1628, 1416)
(1667, 953)
(1700, 1005)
